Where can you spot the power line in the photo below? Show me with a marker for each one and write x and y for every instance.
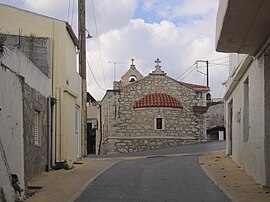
(219, 58)
(185, 72)
(218, 64)
(100, 56)
(188, 74)
(93, 75)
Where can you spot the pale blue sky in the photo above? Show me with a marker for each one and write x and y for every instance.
(179, 32)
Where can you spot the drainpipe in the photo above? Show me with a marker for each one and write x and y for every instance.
(100, 126)
(60, 126)
(49, 129)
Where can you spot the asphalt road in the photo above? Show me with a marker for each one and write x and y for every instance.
(156, 179)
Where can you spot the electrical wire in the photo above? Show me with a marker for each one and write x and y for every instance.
(188, 74)
(219, 58)
(88, 64)
(185, 71)
(219, 64)
(100, 56)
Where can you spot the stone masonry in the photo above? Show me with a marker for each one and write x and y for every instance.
(35, 156)
(129, 129)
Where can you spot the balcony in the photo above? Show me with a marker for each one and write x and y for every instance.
(243, 26)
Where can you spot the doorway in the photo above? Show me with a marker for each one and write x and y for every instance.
(91, 138)
(230, 122)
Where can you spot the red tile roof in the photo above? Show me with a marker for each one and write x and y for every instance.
(157, 100)
(191, 85)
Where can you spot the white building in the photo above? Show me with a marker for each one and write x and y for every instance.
(19, 147)
(243, 30)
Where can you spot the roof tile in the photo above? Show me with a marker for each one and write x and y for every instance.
(157, 100)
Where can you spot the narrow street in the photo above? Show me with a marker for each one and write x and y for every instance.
(160, 175)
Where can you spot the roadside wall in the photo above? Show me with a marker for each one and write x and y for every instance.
(22, 87)
(248, 132)
(11, 133)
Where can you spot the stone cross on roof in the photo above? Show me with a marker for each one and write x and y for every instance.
(158, 70)
(132, 63)
(158, 61)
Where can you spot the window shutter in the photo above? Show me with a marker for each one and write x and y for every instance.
(36, 138)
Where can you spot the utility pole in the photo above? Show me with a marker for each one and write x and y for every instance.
(207, 70)
(82, 71)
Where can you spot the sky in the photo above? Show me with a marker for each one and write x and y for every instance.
(178, 32)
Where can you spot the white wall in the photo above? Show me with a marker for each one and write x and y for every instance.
(20, 64)
(11, 133)
(248, 154)
(15, 67)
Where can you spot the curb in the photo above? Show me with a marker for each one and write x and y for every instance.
(201, 163)
(83, 187)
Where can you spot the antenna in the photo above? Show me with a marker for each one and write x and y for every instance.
(114, 67)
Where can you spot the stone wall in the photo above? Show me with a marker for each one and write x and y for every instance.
(215, 115)
(121, 121)
(142, 144)
(35, 156)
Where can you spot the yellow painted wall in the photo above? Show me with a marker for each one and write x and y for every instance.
(63, 60)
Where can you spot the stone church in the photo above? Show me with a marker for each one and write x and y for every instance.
(151, 112)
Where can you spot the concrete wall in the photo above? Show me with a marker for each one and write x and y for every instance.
(92, 112)
(23, 87)
(11, 133)
(125, 129)
(65, 78)
(248, 132)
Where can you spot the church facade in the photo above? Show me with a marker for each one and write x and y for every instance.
(151, 112)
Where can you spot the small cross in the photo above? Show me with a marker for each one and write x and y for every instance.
(157, 61)
(132, 61)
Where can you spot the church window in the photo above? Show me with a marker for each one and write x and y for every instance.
(159, 123)
(132, 78)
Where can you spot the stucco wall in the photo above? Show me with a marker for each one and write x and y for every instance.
(17, 73)
(127, 129)
(11, 133)
(248, 152)
(64, 74)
